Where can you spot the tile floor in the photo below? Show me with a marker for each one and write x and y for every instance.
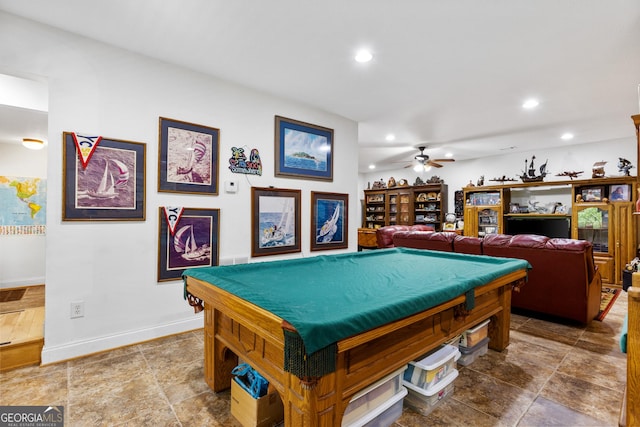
(551, 374)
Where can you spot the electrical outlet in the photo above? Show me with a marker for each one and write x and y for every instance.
(77, 309)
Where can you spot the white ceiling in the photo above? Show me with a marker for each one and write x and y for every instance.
(448, 74)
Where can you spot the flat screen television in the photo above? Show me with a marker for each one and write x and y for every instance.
(550, 227)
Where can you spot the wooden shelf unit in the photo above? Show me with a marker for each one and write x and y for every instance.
(421, 204)
(615, 243)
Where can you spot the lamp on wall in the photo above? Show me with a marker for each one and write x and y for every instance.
(33, 144)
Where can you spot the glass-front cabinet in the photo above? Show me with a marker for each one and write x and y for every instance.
(484, 211)
(399, 207)
(591, 222)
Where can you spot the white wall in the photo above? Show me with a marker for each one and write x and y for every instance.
(22, 258)
(579, 157)
(112, 267)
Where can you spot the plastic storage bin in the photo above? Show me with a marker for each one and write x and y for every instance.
(372, 398)
(383, 415)
(473, 336)
(430, 370)
(470, 354)
(425, 401)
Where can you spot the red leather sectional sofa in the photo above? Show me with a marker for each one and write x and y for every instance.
(564, 281)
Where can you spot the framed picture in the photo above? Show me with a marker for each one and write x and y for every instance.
(592, 194)
(329, 221)
(275, 221)
(303, 150)
(193, 244)
(188, 158)
(110, 188)
(620, 192)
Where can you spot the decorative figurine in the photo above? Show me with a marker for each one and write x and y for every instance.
(624, 166)
(435, 179)
(480, 181)
(529, 173)
(419, 181)
(403, 183)
(379, 185)
(503, 179)
(391, 183)
(570, 174)
(598, 169)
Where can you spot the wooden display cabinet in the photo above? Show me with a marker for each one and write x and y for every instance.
(429, 205)
(484, 211)
(375, 208)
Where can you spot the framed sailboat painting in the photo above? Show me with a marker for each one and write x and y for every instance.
(329, 221)
(108, 186)
(188, 157)
(275, 221)
(194, 242)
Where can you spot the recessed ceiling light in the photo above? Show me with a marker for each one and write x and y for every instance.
(372, 166)
(448, 155)
(390, 137)
(530, 103)
(364, 56)
(566, 136)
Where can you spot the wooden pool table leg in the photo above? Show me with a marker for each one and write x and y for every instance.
(317, 406)
(218, 360)
(501, 321)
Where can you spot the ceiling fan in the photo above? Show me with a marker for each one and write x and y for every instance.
(425, 160)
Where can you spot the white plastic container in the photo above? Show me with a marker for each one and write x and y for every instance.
(373, 397)
(383, 415)
(425, 401)
(470, 354)
(473, 336)
(430, 370)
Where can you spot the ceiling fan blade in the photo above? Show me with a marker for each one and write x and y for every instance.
(443, 160)
(434, 164)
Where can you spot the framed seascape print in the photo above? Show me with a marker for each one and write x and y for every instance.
(620, 192)
(275, 221)
(329, 221)
(193, 244)
(112, 185)
(303, 150)
(188, 157)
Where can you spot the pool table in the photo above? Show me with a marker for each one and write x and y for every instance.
(236, 327)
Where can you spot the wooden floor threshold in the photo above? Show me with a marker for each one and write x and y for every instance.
(17, 355)
(21, 338)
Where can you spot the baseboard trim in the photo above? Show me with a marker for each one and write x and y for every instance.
(31, 281)
(76, 349)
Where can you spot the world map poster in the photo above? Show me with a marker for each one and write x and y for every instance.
(23, 202)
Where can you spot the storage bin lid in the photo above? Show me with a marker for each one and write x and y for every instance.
(437, 358)
(471, 350)
(379, 410)
(378, 383)
(436, 389)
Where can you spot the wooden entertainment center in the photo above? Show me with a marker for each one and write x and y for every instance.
(593, 210)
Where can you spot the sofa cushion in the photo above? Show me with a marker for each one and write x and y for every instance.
(425, 240)
(467, 245)
(384, 235)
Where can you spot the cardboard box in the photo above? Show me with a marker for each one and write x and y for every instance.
(250, 412)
